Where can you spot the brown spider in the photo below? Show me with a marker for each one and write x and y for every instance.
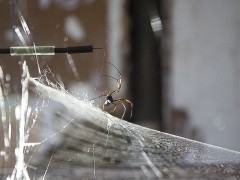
(109, 96)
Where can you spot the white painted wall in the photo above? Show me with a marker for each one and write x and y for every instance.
(206, 67)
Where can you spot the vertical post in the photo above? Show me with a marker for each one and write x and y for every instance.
(20, 171)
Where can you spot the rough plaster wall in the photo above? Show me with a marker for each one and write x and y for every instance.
(206, 67)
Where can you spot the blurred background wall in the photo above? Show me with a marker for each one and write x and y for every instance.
(206, 68)
(179, 59)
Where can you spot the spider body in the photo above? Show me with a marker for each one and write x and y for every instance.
(109, 100)
(109, 95)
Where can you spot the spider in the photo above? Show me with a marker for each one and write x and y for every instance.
(109, 96)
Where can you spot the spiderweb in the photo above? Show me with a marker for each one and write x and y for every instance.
(58, 136)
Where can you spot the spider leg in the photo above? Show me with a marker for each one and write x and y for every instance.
(119, 81)
(121, 101)
(114, 108)
(97, 97)
(124, 110)
(130, 102)
(127, 100)
(105, 93)
(119, 85)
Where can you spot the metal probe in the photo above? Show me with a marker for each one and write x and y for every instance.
(45, 50)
